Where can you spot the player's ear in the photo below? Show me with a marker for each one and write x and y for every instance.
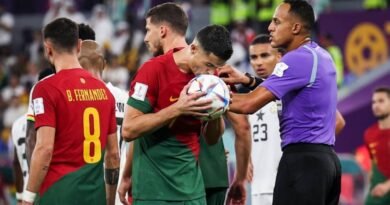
(163, 31)
(194, 48)
(296, 28)
(79, 46)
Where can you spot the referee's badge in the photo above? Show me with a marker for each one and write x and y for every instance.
(279, 69)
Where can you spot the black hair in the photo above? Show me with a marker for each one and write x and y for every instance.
(170, 13)
(44, 73)
(215, 39)
(63, 33)
(265, 39)
(86, 32)
(383, 90)
(304, 11)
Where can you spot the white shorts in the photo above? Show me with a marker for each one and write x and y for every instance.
(262, 199)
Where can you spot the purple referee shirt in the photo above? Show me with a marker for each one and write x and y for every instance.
(305, 81)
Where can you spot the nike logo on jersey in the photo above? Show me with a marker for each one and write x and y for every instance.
(173, 99)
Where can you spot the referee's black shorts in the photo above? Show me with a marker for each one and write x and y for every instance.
(308, 174)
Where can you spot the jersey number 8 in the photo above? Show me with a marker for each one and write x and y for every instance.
(91, 138)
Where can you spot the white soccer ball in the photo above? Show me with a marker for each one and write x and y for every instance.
(216, 90)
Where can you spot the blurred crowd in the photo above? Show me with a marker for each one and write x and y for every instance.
(119, 27)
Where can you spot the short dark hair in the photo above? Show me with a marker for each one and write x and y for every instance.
(304, 11)
(383, 90)
(63, 33)
(86, 32)
(170, 13)
(215, 39)
(265, 39)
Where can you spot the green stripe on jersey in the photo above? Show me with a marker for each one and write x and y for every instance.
(84, 186)
(143, 106)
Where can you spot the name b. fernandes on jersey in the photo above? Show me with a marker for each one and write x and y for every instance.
(77, 95)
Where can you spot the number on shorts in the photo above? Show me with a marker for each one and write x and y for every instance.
(91, 138)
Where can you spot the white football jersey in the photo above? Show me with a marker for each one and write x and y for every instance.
(266, 147)
(18, 133)
(121, 97)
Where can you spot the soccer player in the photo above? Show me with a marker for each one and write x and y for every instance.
(91, 58)
(161, 117)
(305, 82)
(85, 32)
(266, 141)
(164, 33)
(75, 122)
(377, 140)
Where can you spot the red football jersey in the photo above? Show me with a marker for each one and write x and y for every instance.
(378, 143)
(82, 110)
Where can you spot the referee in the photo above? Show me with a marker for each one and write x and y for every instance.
(304, 80)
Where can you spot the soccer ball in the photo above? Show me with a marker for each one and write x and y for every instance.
(216, 90)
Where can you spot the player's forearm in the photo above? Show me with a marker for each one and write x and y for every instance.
(148, 123)
(340, 122)
(30, 140)
(242, 144)
(251, 102)
(18, 174)
(213, 130)
(127, 170)
(40, 162)
(111, 165)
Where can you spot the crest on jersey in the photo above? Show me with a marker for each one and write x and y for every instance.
(39, 108)
(82, 80)
(140, 91)
(279, 69)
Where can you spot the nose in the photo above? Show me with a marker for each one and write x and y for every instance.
(271, 27)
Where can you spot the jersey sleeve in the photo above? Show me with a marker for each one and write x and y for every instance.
(144, 88)
(44, 106)
(293, 72)
(30, 111)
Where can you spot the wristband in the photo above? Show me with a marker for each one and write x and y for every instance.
(29, 196)
(251, 79)
(258, 81)
(19, 196)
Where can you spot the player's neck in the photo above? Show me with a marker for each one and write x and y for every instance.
(182, 59)
(384, 123)
(66, 61)
(298, 42)
(175, 42)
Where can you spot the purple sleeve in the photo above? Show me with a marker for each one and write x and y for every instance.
(291, 73)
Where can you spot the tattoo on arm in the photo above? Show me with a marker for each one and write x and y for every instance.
(111, 176)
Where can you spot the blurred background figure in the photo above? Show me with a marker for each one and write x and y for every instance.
(102, 24)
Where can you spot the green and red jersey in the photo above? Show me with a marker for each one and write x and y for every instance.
(82, 110)
(165, 164)
(378, 144)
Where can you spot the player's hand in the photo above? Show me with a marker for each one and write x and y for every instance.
(249, 175)
(124, 188)
(237, 193)
(231, 75)
(380, 190)
(190, 104)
